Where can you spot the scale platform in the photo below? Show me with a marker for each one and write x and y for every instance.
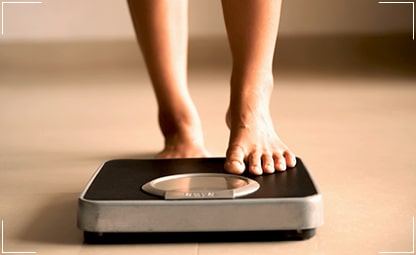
(188, 200)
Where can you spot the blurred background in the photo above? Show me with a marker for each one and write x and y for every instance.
(314, 35)
(109, 19)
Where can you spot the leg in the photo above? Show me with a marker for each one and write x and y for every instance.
(252, 27)
(162, 31)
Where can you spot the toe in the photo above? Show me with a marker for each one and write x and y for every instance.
(290, 158)
(268, 163)
(234, 162)
(279, 162)
(254, 161)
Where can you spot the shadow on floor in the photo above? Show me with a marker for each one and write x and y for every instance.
(55, 222)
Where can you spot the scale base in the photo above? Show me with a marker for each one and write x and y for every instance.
(114, 209)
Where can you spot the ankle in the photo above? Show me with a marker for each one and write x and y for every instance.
(180, 125)
(253, 77)
(250, 101)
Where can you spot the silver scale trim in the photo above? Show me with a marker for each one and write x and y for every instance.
(201, 186)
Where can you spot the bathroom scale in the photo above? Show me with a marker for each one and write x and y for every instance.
(195, 200)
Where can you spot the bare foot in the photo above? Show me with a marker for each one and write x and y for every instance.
(253, 139)
(183, 135)
(179, 146)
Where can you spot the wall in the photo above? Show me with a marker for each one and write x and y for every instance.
(109, 19)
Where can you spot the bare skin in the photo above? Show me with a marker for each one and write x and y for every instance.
(162, 32)
(252, 26)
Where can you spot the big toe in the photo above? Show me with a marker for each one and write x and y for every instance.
(234, 162)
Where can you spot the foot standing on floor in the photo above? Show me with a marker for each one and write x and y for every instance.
(252, 26)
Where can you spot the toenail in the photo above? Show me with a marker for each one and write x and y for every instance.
(236, 162)
(269, 169)
(294, 161)
(257, 170)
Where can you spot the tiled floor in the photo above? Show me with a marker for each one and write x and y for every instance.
(66, 109)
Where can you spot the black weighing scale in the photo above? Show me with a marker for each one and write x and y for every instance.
(194, 200)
